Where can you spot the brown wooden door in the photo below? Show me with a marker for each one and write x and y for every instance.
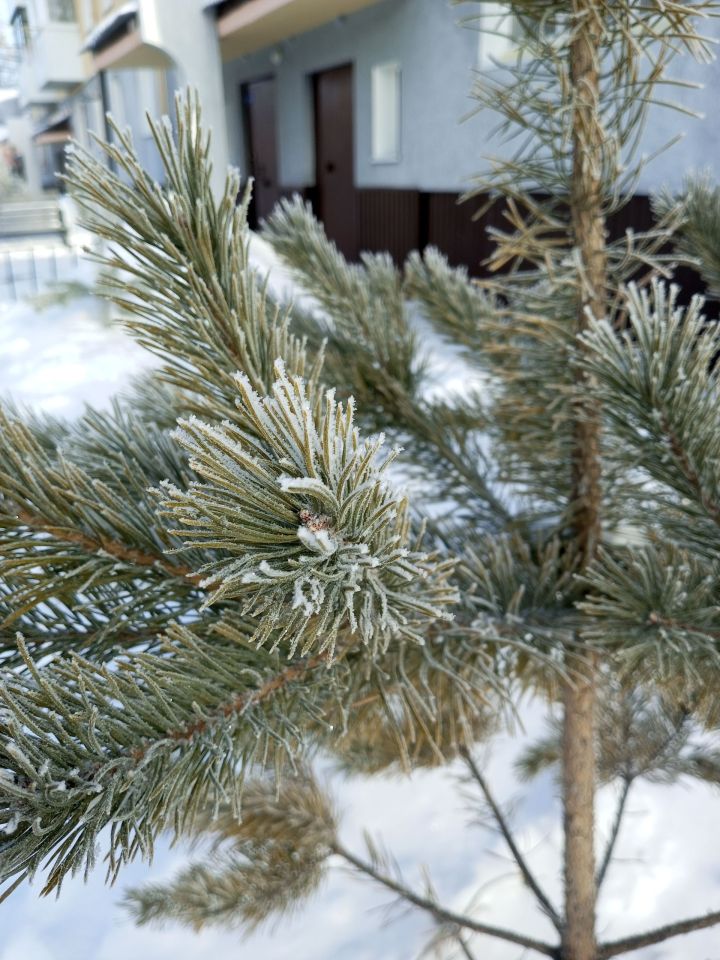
(335, 156)
(258, 100)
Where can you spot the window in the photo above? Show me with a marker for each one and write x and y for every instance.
(498, 35)
(61, 11)
(385, 113)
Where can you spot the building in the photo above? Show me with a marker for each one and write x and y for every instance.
(140, 51)
(47, 40)
(359, 106)
(355, 104)
(80, 59)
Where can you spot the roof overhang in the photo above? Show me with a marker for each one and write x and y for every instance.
(58, 129)
(116, 43)
(120, 21)
(52, 137)
(130, 52)
(250, 25)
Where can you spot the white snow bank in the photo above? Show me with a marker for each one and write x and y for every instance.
(58, 359)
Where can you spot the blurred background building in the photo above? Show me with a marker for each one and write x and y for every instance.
(355, 104)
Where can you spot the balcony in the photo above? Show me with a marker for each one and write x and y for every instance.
(49, 67)
(119, 40)
(48, 50)
(247, 25)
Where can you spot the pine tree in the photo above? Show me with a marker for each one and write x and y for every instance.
(189, 612)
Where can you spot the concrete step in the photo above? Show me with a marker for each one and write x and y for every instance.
(30, 218)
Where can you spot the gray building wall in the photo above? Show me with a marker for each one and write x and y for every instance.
(699, 148)
(439, 152)
(436, 58)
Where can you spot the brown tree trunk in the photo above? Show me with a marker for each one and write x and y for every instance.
(588, 222)
(578, 754)
(578, 794)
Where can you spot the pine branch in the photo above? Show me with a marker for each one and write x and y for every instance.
(454, 305)
(293, 514)
(142, 746)
(614, 833)
(81, 546)
(698, 239)
(708, 502)
(416, 706)
(240, 704)
(512, 579)
(265, 865)
(617, 947)
(658, 383)
(177, 261)
(372, 351)
(101, 545)
(77, 524)
(447, 435)
(362, 303)
(309, 534)
(527, 875)
(658, 609)
(441, 914)
(464, 948)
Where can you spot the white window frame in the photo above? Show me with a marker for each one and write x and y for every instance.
(496, 36)
(385, 112)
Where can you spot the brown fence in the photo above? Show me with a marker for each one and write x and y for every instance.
(399, 221)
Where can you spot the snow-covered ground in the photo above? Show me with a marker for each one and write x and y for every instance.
(64, 356)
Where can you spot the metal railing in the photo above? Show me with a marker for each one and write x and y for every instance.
(29, 272)
(33, 251)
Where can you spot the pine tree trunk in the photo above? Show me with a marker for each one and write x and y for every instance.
(578, 795)
(588, 223)
(579, 942)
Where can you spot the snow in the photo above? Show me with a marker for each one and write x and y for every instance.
(319, 541)
(311, 601)
(60, 358)
(65, 356)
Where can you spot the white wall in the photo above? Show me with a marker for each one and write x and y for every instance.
(188, 34)
(51, 60)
